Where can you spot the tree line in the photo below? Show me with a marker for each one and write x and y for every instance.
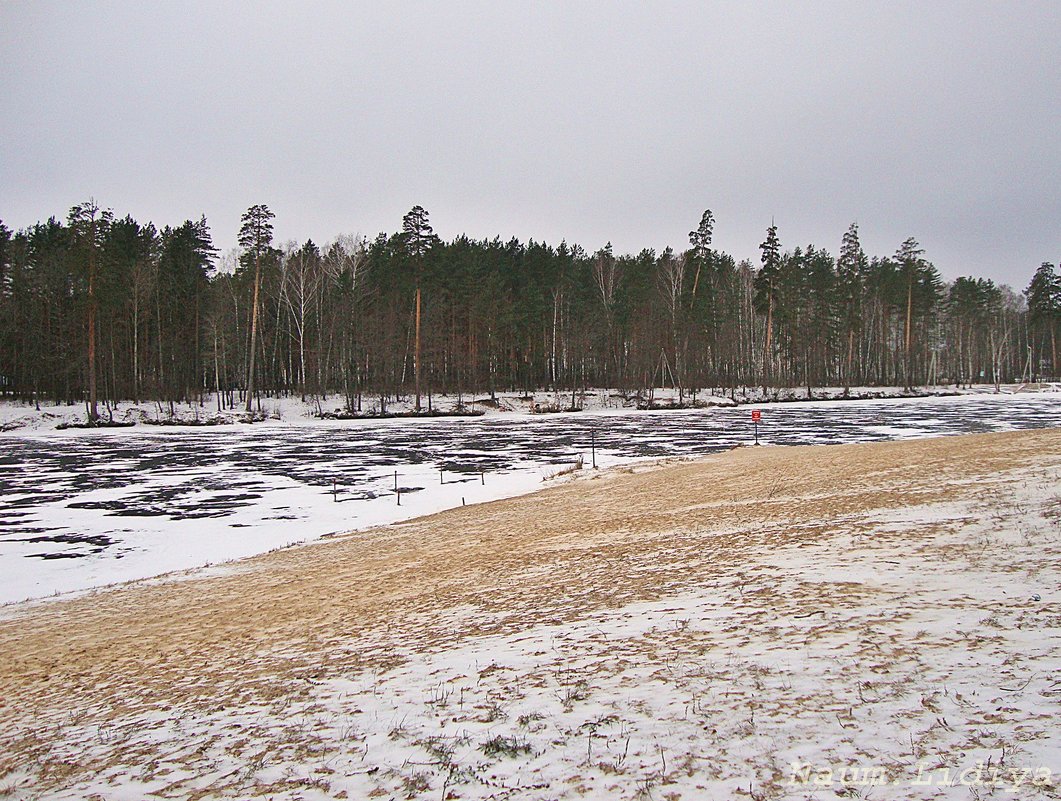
(98, 309)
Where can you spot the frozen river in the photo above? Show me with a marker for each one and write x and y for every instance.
(82, 509)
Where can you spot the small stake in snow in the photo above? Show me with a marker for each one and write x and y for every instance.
(482, 477)
(756, 417)
(335, 496)
(399, 496)
(395, 480)
(441, 480)
(593, 446)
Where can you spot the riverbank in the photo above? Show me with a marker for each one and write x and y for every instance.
(684, 630)
(80, 510)
(19, 417)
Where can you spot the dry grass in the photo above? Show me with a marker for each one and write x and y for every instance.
(284, 622)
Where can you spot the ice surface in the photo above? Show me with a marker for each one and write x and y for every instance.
(82, 509)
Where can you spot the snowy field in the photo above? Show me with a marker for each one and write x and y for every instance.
(292, 410)
(82, 509)
(879, 622)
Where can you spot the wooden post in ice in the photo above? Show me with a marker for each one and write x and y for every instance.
(593, 446)
(395, 480)
(335, 496)
(399, 496)
(441, 480)
(482, 477)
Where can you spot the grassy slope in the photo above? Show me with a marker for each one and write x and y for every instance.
(760, 567)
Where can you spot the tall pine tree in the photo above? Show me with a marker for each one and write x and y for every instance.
(1044, 312)
(418, 238)
(255, 237)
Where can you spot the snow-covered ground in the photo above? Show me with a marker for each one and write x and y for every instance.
(294, 411)
(82, 509)
(23, 417)
(877, 623)
(863, 666)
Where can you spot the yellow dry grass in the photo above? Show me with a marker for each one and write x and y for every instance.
(281, 622)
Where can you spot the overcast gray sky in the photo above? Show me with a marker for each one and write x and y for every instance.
(585, 121)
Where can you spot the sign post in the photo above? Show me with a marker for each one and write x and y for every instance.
(756, 417)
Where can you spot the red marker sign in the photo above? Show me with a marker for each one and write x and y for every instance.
(756, 415)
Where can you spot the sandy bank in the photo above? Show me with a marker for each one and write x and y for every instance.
(282, 625)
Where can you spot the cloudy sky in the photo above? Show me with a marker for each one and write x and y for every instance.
(588, 121)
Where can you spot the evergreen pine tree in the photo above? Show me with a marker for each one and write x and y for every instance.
(851, 269)
(766, 290)
(88, 226)
(255, 237)
(1044, 311)
(418, 238)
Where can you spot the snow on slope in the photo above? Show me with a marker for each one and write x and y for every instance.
(910, 652)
